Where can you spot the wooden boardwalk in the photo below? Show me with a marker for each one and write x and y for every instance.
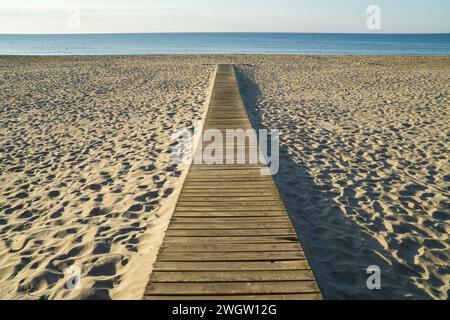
(230, 236)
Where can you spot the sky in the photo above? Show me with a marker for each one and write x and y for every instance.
(119, 16)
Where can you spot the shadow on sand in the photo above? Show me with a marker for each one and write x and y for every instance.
(338, 250)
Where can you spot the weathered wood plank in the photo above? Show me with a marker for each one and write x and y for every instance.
(224, 288)
(229, 225)
(230, 203)
(207, 220)
(297, 296)
(225, 167)
(229, 185)
(218, 239)
(227, 247)
(243, 189)
(230, 256)
(231, 233)
(233, 276)
(232, 214)
(233, 266)
(213, 208)
(236, 197)
(197, 187)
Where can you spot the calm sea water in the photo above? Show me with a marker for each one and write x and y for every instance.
(270, 43)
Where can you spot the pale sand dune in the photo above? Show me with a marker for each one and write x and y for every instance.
(85, 171)
(86, 175)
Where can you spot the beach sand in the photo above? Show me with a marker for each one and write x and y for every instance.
(86, 177)
(86, 171)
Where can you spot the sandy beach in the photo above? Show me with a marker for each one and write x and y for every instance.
(86, 176)
(86, 171)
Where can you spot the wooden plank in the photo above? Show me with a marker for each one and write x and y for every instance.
(214, 169)
(230, 256)
(231, 233)
(227, 247)
(232, 214)
(224, 288)
(227, 197)
(225, 167)
(228, 186)
(229, 225)
(289, 297)
(244, 170)
(238, 219)
(218, 239)
(245, 190)
(230, 203)
(233, 276)
(233, 266)
(212, 208)
(227, 175)
(236, 180)
(202, 187)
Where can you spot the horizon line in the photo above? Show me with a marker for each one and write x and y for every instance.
(224, 32)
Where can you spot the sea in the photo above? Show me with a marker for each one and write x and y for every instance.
(227, 43)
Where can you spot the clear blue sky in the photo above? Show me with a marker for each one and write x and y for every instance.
(50, 16)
